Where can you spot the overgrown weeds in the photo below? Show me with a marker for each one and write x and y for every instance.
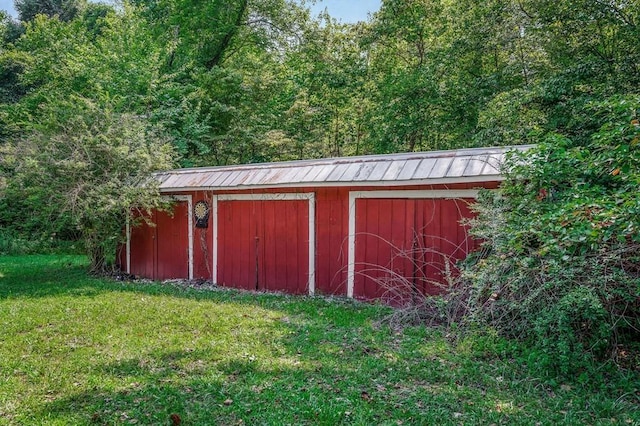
(432, 294)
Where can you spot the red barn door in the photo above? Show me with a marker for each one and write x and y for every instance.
(238, 244)
(384, 231)
(173, 243)
(142, 246)
(263, 244)
(162, 251)
(407, 246)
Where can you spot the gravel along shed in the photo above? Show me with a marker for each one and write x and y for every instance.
(369, 227)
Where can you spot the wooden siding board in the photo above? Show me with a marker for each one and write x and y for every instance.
(236, 267)
(143, 248)
(202, 243)
(384, 249)
(432, 242)
(331, 232)
(172, 243)
(262, 244)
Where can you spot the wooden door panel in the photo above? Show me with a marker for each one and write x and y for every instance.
(384, 243)
(406, 247)
(263, 245)
(237, 244)
(172, 234)
(143, 247)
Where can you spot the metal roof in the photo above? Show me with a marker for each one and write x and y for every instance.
(434, 167)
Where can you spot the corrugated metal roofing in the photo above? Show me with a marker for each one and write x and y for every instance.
(461, 165)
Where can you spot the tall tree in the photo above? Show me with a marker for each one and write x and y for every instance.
(66, 10)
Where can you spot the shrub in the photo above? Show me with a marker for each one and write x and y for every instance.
(561, 263)
(86, 167)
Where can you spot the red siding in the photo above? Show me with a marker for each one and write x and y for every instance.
(264, 244)
(332, 228)
(161, 251)
(237, 245)
(143, 248)
(203, 241)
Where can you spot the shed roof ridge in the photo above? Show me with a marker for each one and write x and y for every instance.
(462, 152)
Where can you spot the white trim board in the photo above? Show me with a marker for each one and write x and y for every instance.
(281, 196)
(390, 194)
(214, 249)
(128, 245)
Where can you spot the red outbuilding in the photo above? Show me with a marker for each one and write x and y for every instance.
(369, 227)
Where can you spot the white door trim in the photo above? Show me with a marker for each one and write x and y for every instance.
(397, 194)
(280, 196)
(128, 244)
(214, 229)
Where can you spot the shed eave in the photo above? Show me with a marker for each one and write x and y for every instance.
(352, 184)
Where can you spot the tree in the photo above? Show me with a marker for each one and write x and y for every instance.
(93, 164)
(65, 10)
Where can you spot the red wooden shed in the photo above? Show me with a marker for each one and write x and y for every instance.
(349, 226)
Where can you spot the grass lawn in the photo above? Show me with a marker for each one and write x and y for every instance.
(79, 350)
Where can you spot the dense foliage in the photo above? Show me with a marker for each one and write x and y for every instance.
(563, 242)
(235, 81)
(86, 173)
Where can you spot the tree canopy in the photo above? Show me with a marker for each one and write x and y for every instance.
(236, 81)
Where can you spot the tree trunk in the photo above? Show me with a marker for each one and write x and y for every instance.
(216, 58)
(96, 254)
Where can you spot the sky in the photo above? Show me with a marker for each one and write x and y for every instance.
(347, 11)
(8, 5)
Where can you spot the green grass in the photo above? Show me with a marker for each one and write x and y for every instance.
(80, 350)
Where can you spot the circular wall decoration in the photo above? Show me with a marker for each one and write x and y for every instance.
(201, 212)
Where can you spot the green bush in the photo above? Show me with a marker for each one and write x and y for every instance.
(560, 265)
